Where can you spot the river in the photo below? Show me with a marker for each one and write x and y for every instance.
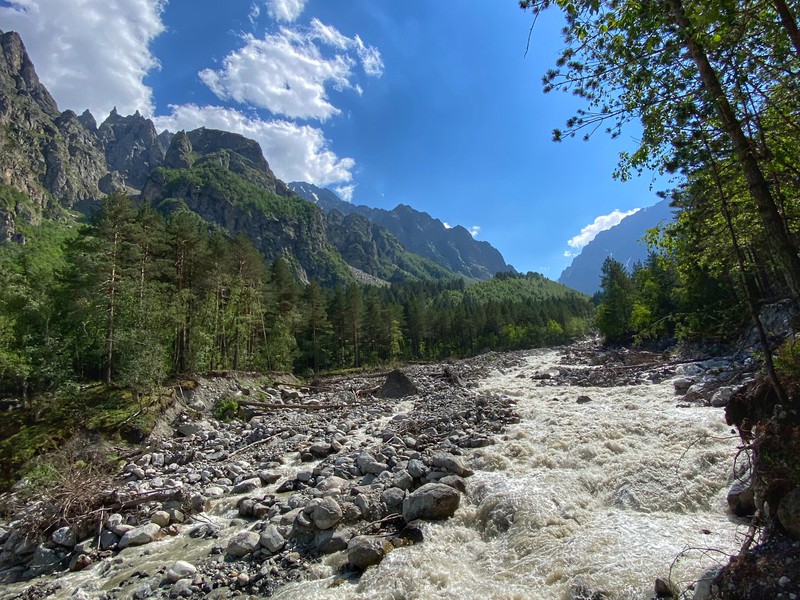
(607, 494)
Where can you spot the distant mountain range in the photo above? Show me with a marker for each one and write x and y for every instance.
(623, 242)
(62, 161)
(453, 248)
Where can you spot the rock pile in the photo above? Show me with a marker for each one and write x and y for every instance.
(321, 471)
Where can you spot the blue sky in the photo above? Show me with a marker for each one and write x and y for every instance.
(427, 103)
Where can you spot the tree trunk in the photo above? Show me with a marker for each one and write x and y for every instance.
(773, 222)
(750, 293)
(789, 23)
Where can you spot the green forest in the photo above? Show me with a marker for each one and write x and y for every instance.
(132, 297)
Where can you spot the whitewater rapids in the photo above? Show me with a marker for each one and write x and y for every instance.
(605, 495)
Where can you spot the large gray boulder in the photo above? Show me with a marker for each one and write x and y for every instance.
(397, 385)
(326, 514)
(138, 536)
(741, 499)
(454, 464)
(433, 501)
(364, 551)
(243, 543)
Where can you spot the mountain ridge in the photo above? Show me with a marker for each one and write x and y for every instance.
(453, 248)
(622, 242)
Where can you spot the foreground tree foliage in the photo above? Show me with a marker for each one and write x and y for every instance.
(714, 87)
(133, 297)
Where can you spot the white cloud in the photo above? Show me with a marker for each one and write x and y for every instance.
(255, 12)
(288, 74)
(601, 223)
(568, 254)
(370, 58)
(93, 56)
(294, 152)
(447, 225)
(474, 230)
(285, 10)
(345, 192)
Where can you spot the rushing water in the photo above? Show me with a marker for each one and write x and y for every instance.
(612, 493)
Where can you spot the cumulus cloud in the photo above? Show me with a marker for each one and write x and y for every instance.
(93, 56)
(294, 152)
(447, 225)
(345, 192)
(474, 230)
(288, 73)
(601, 223)
(285, 10)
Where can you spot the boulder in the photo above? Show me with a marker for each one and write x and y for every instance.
(416, 468)
(432, 501)
(397, 385)
(393, 496)
(248, 485)
(368, 464)
(64, 536)
(454, 464)
(326, 514)
(160, 518)
(364, 551)
(720, 398)
(108, 539)
(242, 544)
(138, 536)
(789, 512)
(271, 539)
(181, 570)
(741, 499)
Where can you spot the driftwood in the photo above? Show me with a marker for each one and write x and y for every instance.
(275, 405)
(159, 495)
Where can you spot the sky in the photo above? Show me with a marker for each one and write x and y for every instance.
(434, 104)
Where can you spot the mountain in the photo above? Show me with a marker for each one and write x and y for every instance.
(452, 248)
(52, 160)
(47, 155)
(622, 242)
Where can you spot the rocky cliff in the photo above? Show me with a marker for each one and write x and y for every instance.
(224, 178)
(373, 249)
(47, 155)
(131, 147)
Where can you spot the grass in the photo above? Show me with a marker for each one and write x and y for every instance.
(47, 423)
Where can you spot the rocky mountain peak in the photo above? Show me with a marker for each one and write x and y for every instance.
(131, 146)
(179, 153)
(16, 70)
(207, 141)
(88, 120)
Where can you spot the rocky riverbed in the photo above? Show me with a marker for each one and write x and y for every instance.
(318, 480)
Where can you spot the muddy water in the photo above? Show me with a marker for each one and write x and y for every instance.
(608, 494)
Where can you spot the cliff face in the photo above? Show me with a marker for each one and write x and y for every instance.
(225, 179)
(373, 249)
(131, 147)
(46, 154)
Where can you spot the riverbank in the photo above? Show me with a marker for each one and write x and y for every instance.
(320, 484)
